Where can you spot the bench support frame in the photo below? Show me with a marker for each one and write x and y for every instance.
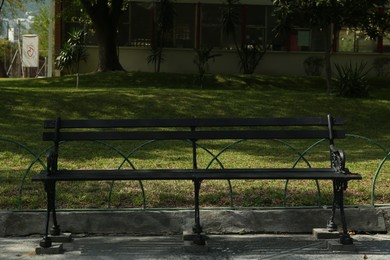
(338, 201)
(337, 158)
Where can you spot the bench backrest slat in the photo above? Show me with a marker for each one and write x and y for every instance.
(195, 122)
(192, 129)
(193, 135)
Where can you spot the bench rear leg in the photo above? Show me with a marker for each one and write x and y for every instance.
(199, 239)
(55, 230)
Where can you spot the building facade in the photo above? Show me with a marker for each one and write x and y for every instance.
(197, 24)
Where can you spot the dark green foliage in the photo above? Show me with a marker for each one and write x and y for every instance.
(163, 23)
(382, 66)
(65, 58)
(155, 57)
(329, 15)
(230, 16)
(73, 52)
(7, 50)
(352, 81)
(201, 60)
(250, 54)
(313, 66)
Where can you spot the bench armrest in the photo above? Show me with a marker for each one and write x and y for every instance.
(337, 159)
(52, 162)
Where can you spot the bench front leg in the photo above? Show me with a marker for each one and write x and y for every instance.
(199, 240)
(331, 226)
(55, 229)
(340, 186)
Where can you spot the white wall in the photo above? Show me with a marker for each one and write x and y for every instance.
(181, 61)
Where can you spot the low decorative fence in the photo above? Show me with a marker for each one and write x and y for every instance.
(37, 160)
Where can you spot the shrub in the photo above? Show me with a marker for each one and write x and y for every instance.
(351, 80)
(201, 60)
(7, 51)
(313, 66)
(382, 66)
(250, 56)
(73, 52)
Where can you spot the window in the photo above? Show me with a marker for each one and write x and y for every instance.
(386, 43)
(274, 39)
(256, 25)
(355, 41)
(346, 40)
(305, 39)
(365, 44)
(211, 31)
(318, 39)
(140, 28)
(299, 39)
(123, 33)
(184, 26)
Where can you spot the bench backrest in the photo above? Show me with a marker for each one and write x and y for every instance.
(188, 129)
(193, 129)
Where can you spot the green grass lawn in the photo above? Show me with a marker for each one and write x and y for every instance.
(25, 103)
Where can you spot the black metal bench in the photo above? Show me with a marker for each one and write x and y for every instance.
(193, 130)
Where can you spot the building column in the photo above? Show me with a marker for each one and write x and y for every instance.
(198, 25)
(152, 25)
(380, 47)
(57, 26)
(335, 43)
(244, 16)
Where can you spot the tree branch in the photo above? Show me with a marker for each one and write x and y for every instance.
(1, 6)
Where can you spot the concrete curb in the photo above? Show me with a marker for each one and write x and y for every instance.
(170, 222)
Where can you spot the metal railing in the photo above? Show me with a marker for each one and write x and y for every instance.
(215, 158)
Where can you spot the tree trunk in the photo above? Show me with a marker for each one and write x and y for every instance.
(328, 54)
(105, 19)
(3, 72)
(108, 54)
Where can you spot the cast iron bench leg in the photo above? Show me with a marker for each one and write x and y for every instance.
(331, 226)
(345, 238)
(199, 240)
(55, 230)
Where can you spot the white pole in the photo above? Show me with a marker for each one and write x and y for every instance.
(19, 47)
(50, 52)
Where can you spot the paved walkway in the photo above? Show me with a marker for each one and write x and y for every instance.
(219, 247)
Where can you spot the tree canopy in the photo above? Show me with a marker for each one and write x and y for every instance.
(330, 15)
(353, 13)
(12, 7)
(40, 25)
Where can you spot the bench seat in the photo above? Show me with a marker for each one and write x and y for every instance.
(198, 174)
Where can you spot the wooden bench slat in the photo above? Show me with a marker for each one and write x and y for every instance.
(198, 122)
(194, 135)
(190, 174)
